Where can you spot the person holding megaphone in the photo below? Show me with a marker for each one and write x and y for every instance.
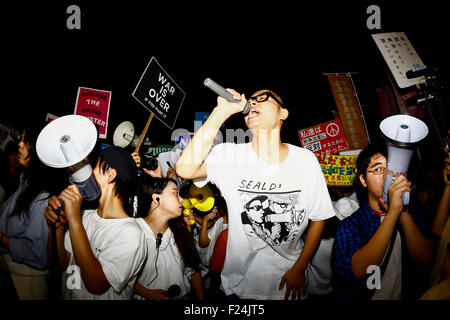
(103, 249)
(376, 247)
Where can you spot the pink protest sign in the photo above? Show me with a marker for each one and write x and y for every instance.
(94, 105)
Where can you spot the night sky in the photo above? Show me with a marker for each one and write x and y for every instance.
(285, 46)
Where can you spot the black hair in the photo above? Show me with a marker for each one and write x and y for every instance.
(38, 176)
(362, 163)
(183, 238)
(125, 191)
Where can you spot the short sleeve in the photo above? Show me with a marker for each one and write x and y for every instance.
(320, 205)
(217, 160)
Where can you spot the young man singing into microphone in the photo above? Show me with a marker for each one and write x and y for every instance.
(273, 190)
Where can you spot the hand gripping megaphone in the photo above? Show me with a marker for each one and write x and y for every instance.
(187, 205)
(65, 143)
(402, 134)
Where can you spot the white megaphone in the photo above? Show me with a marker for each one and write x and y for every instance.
(125, 136)
(402, 133)
(65, 143)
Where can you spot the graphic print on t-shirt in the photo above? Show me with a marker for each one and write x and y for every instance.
(270, 215)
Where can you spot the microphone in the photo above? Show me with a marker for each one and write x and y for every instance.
(158, 240)
(221, 91)
(173, 291)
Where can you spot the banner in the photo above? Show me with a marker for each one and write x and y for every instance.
(94, 105)
(324, 138)
(338, 170)
(388, 106)
(349, 111)
(159, 94)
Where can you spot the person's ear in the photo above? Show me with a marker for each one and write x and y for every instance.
(284, 114)
(112, 174)
(363, 181)
(155, 198)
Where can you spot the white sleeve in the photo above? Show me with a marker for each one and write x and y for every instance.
(123, 259)
(216, 160)
(320, 206)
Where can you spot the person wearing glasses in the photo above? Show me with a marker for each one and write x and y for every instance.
(253, 175)
(379, 247)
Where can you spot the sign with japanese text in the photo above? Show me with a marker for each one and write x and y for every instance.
(400, 56)
(325, 138)
(338, 170)
(94, 105)
(159, 94)
(349, 112)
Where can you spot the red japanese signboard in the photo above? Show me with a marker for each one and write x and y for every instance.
(325, 138)
(94, 105)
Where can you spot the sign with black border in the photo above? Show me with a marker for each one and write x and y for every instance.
(159, 93)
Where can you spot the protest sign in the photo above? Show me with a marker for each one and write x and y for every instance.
(159, 93)
(94, 105)
(339, 170)
(324, 138)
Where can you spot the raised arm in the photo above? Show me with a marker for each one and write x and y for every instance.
(191, 163)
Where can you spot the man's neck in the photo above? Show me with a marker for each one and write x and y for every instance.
(268, 146)
(111, 207)
(375, 204)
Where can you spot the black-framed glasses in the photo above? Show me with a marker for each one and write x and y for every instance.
(378, 170)
(264, 96)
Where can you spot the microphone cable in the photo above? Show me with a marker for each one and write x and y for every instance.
(158, 243)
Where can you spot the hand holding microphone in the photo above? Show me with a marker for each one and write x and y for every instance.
(233, 97)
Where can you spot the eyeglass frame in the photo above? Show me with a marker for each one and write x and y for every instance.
(377, 174)
(269, 94)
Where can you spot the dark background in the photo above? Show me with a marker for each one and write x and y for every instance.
(285, 46)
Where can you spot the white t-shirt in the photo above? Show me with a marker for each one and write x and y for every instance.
(120, 247)
(320, 271)
(268, 207)
(170, 266)
(391, 282)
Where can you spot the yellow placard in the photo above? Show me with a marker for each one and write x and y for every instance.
(339, 170)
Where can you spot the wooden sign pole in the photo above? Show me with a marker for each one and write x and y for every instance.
(142, 136)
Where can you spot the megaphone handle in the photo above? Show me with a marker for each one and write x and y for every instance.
(144, 133)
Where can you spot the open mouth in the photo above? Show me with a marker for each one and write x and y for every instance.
(253, 114)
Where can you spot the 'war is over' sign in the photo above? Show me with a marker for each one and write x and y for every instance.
(159, 93)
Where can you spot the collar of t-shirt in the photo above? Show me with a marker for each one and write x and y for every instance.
(381, 214)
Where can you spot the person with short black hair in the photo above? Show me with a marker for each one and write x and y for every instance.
(105, 246)
(273, 191)
(390, 238)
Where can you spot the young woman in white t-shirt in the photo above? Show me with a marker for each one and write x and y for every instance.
(172, 258)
